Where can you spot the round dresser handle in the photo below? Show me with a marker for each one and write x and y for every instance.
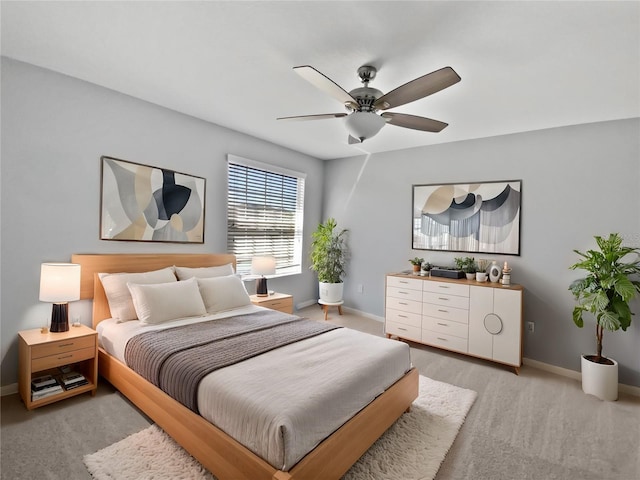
(493, 323)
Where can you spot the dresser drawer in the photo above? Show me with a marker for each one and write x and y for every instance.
(446, 312)
(404, 293)
(412, 306)
(403, 331)
(447, 288)
(62, 346)
(445, 326)
(407, 283)
(446, 300)
(405, 318)
(62, 358)
(450, 342)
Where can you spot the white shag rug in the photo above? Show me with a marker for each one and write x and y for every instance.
(412, 449)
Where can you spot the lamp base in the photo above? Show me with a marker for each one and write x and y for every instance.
(261, 287)
(59, 318)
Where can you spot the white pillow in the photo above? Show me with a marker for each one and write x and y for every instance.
(118, 295)
(223, 293)
(161, 302)
(185, 273)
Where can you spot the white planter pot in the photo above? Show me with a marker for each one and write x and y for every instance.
(331, 292)
(481, 277)
(600, 380)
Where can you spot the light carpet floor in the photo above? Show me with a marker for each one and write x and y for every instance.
(412, 449)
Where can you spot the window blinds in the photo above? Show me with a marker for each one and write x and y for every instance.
(265, 207)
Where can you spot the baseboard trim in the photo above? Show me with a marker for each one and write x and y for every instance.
(565, 372)
(9, 389)
(305, 304)
(309, 303)
(363, 314)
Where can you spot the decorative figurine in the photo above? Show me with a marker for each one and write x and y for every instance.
(506, 274)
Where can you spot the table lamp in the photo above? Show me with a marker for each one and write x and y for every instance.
(264, 265)
(59, 284)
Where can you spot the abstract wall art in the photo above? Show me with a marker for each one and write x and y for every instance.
(149, 204)
(468, 217)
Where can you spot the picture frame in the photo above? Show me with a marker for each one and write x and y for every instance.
(142, 203)
(475, 217)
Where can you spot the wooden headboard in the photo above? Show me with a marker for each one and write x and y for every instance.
(92, 264)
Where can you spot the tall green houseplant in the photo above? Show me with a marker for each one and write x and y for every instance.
(329, 252)
(607, 289)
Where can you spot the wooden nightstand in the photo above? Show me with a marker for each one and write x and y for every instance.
(278, 301)
(43, 353)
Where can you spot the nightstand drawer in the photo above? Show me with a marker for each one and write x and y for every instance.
(281, 302)
(62, 358)
(62, 346)
(283, 305)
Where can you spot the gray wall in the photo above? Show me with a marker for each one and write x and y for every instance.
(54, 130)
(577, 182)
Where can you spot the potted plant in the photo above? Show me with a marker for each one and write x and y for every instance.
(605, 293)
(467, 265)
(328, 258)
(481, 269)
(417, 263)
(426, 268)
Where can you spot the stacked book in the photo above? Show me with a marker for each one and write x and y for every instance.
(73, 380)
(42, 387)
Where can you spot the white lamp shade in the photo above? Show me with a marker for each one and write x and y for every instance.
(263, 265)
(59, 282)
(363, 125)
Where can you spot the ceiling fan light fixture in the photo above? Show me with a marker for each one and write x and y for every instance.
(363, 125)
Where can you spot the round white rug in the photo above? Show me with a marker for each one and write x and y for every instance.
(412, 449)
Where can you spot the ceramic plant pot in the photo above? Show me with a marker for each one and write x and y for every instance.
(599, 379)
(331, 292)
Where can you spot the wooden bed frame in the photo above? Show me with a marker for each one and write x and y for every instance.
(214, 449)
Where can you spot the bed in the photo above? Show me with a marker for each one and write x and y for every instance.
(218, 451)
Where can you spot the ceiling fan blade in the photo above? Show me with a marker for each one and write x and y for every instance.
(324, 83)
(414, 122)
(352, 140)
(419, 88)
(321, 116)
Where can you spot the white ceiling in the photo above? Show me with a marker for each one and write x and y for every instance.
(524, 65)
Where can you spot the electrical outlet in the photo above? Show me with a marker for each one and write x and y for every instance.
(360, 288)
(530, 327)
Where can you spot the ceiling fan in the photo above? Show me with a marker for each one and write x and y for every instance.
(363, 103)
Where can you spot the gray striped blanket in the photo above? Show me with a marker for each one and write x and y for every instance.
(176, 359)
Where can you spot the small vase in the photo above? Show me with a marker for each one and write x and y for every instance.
(494, 272)
(481, 276)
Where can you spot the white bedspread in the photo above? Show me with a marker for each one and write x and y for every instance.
(283, 403)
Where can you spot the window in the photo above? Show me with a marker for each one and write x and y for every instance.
(265, 207)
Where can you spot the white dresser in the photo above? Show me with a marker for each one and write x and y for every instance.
(479, 319)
